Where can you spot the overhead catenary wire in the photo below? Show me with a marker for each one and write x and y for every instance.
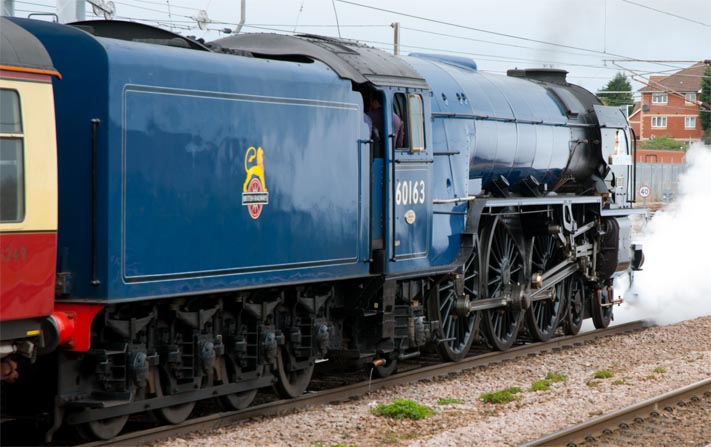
(481, 30)
(33, 4)
(666, 13)
(655, 84)
(335, 12)
(471, 39)
(471, 28)
(480, 56)
(187, 22)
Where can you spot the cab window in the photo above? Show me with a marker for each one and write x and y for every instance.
(12, 182)
(417, 123)
(409, 109)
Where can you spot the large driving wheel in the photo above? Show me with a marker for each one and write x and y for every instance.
(458, 325)
(575, 296)
(542, 316)
(601, 308)
(503, 272)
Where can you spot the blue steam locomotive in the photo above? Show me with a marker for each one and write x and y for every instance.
(233, 213)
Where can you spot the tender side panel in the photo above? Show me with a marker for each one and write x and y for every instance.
(28, 219)
(270, 186)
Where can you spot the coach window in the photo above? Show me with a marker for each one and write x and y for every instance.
(12, 183)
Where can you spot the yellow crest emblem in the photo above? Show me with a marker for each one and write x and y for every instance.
(254, 191)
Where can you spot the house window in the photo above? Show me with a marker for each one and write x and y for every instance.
(659, 98)
(689, 98)
(12, 183)
(689, 122)
(659, 122)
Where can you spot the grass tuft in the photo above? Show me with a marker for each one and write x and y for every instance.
(603, 374)
(545, 384)
(450, 401)
(501, 396)
(403, 409)
(619, 382)
(541, 385)
(556, 377)
(660, 370)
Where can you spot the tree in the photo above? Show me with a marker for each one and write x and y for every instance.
(705, 99)
(618, 84)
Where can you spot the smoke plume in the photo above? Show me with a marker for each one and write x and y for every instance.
(675, 283)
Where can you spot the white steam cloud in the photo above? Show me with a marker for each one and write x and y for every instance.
(675, 283)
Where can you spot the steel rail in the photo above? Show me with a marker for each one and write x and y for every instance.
(348, 392)
(602, 425)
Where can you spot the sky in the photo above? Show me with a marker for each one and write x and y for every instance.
(591, 39)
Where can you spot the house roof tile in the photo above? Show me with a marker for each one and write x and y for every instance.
(686, 80)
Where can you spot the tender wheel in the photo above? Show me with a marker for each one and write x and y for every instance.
(227, 368)
(235, 401)
(601, 314)
(503, 271)
(103, 429)
(575, 293)
(458, 325)
(175, 414)
(290, 383)
(542, 317)
(386, 369)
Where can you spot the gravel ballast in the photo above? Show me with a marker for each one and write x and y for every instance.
(643, 364)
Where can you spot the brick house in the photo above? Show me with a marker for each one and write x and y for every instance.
(669, 106)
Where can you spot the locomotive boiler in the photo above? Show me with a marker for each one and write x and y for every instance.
(228, 217)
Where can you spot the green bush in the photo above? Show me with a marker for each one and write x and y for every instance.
(665, 143)
(402, 409)
(500, 397)
(660, 370)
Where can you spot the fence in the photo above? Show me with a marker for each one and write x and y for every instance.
(662, 179)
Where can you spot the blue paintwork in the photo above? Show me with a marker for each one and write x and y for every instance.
(173, 141)
(496, 147)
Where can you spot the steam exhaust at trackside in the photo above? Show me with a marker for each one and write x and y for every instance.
(675, 283)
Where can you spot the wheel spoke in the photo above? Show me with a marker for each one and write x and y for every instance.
(457, 329)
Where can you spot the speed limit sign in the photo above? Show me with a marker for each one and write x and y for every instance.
(644, 191)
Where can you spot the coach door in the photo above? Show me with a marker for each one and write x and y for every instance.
(410, 170)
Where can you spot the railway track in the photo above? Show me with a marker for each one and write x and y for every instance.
(640, 424)
(345, 393)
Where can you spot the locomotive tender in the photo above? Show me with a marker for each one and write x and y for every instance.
(227, 218)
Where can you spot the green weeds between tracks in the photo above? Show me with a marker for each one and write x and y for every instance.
(501, 396)
(450, 401)
(603, 374)
(403, 409)
(545, 384)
